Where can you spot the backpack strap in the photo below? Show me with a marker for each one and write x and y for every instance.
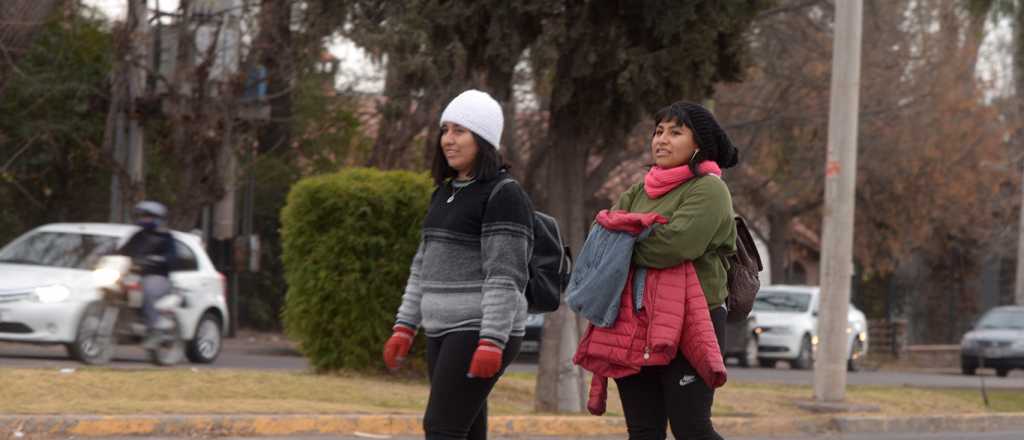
(498, 186)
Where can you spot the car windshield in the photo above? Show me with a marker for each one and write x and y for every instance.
(59, 249)
(795, 302)
(1002, 319)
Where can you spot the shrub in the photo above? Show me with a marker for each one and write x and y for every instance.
(348, 241)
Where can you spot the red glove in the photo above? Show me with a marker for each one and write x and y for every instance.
(398, 345)
(486, 361)
(598, 395)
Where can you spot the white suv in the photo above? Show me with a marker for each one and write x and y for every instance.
(46, 283)
(787, 327)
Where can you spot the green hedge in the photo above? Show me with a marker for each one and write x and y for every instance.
(348, 239)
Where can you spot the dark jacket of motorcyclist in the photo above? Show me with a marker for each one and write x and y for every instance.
(152, 249)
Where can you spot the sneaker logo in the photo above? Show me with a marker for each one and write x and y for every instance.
(687, 379)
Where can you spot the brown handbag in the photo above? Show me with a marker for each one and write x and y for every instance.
(742, 268)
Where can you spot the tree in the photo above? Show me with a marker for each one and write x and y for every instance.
(52, 129)
(20, 21)
(433, 51)
(980, 10)
(922, 110)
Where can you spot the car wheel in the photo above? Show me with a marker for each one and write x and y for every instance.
(749, 356)
(205, 346)
(968, 368)
(1002, 372)
(805, 359)
(90, 346)
(766, 363)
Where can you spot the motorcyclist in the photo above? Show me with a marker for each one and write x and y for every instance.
(152, 250)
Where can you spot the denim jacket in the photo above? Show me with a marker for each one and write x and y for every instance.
(602, 268)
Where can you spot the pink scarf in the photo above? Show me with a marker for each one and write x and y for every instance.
(659, 181)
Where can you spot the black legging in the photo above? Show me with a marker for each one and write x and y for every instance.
(457, 408)
(672, 393)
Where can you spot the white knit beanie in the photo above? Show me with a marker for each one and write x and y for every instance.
(478, 112)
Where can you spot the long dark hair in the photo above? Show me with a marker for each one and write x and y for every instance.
(488, 162)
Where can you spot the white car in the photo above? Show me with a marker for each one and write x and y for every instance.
(46, 283)
(787, 327)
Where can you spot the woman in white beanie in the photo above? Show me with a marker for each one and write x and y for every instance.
(466, 284)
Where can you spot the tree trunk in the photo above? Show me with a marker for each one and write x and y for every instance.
(559, 381)
(275, 43)
(778, 245)
(402, 118)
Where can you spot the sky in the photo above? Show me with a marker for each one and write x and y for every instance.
(360, 74)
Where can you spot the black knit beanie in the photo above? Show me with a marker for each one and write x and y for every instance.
(710, 136)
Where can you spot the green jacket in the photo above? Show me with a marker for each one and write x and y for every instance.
(701, 225)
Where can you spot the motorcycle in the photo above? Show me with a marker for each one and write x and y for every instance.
(116, 317)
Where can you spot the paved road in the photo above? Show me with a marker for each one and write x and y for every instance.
(258, 352)
(1017, 435)
(270, 353)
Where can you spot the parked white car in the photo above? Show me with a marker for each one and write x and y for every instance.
(46, 283)
(787, 327)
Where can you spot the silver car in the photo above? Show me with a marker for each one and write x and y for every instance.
(996, 341)
(46, 283)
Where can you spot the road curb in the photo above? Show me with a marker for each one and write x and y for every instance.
(936, 423)
(254, 425)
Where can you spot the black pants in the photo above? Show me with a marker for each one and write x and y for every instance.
(672, 393)
(457, 408)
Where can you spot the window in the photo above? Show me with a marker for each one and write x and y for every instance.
(776, 301)
(185, 259)
(1004, 319)
(59, 249)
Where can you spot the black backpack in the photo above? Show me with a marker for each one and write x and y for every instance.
(550, 263)
(743, 282)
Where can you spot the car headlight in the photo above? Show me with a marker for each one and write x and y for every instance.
(862, 336)
(106, 276)
(969, 343)
(1018, 344)
(51, 294)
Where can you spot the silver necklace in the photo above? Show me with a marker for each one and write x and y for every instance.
(452, 197)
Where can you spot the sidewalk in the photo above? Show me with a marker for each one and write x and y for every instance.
(63, 426)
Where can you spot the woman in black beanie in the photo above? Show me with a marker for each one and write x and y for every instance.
(689, 149)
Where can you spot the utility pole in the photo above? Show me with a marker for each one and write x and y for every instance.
(840, 181)
(126, 126)
(1018, 138)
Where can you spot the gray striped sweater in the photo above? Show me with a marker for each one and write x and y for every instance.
(471, 267)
